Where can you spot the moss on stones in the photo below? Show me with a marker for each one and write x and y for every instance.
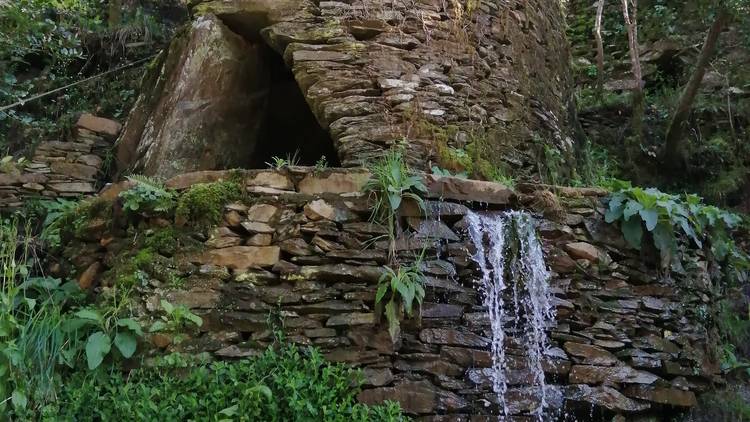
(203, 203)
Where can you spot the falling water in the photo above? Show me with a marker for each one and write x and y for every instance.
(515, 282)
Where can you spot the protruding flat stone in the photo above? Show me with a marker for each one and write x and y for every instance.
(606, 397)
(588, 374)
(591, 355)
(583, 250)
(241, 257)
(334, 182)
(468, 190)
(662, 395)
(99, 125)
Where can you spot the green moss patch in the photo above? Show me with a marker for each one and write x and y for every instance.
(203, 203)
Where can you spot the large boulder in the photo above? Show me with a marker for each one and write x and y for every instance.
(201, 106)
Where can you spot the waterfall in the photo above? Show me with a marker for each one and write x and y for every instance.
(514, 283)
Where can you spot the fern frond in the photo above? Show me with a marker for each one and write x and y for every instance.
(148, 181)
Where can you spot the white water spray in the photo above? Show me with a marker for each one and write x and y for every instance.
(515, 281)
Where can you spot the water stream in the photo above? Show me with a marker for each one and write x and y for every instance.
(515, 286)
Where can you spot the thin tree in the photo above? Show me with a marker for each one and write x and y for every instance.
(599, 49)
(114, 13)
(630, 15)
(675, 138)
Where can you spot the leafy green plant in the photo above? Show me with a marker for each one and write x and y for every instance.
(321, 165)
(285, 384)
(32, 340)
(49, 44)
(392, 181)
(595, 166)
(663, 215)
(437, 171)
(175, 318)
(147, 195)
(11, 165)
(57, 214)
(279, 163)
(109, 329)
(400, 289)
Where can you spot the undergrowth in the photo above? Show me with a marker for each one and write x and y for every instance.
(291, 383)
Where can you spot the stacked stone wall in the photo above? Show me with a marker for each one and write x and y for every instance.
(64, 169)
(300, 249)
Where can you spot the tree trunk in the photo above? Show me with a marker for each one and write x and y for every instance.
(114, 13)
(631, 24)
(599, 49)
(675, 139)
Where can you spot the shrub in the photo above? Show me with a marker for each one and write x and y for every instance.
(665, 216)
(291, 384)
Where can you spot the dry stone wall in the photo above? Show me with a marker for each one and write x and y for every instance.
(65, 169)
(299, 250)
(482, 76)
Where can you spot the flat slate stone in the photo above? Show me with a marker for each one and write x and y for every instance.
(468, 190)
(241, 257)
(334, 182)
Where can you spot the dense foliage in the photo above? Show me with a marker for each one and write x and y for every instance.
(716, 155)
(288, 384)
(665, 216)
(48, 44)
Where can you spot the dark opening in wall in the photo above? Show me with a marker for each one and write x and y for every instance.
(289, 128)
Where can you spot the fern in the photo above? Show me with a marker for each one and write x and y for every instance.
(148, 181)
(148, 195)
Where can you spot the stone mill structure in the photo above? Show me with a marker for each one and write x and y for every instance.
(247, 80)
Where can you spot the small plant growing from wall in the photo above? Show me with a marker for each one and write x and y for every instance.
(279, 163)
(147, 196)
(174, 320)
(666, 216)
(400, 286)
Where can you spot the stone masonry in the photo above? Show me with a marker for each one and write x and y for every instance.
(61, 169)
(434, 75)
(627, 341)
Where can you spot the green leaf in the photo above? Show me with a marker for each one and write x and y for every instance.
(230, 411)
(382, 290)
(19, 400)
(650, 216)
(688, 230)
(195, 319)
(89, 314)
(631, 208)
(394, 199)
(614, 214)
(97, 347)
(264, 391)
(633, 232)
(664, 241)
(130, 324)
(168, 307)
(391, 315)
(157, 326)
(126, 343)
(407, 296)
